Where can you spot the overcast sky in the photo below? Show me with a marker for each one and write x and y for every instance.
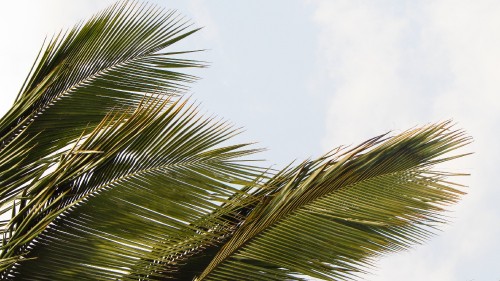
(305, 76)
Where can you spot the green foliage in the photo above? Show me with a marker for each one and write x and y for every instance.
(107, 172)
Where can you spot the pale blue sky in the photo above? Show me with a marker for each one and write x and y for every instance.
(305, 76)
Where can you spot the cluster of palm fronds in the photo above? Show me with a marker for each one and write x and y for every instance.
(107, 173)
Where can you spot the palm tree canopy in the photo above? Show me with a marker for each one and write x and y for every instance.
(107, 172)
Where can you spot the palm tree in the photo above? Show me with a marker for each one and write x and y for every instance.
(107, 172)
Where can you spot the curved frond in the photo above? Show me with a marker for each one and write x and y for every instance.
(109, 62)
(132, 194)
(329, 217)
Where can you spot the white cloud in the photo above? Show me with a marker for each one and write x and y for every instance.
(362, 44)
(394, 65)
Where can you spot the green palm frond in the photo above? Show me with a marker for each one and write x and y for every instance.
(109, 62)
(136, 188)
(328, 217)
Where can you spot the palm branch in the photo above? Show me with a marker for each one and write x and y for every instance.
(107, 172)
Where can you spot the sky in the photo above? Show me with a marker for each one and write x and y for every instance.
(304, 76)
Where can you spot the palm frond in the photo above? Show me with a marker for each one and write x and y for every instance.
(111, 61)
(162, 171)
(329, 217)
